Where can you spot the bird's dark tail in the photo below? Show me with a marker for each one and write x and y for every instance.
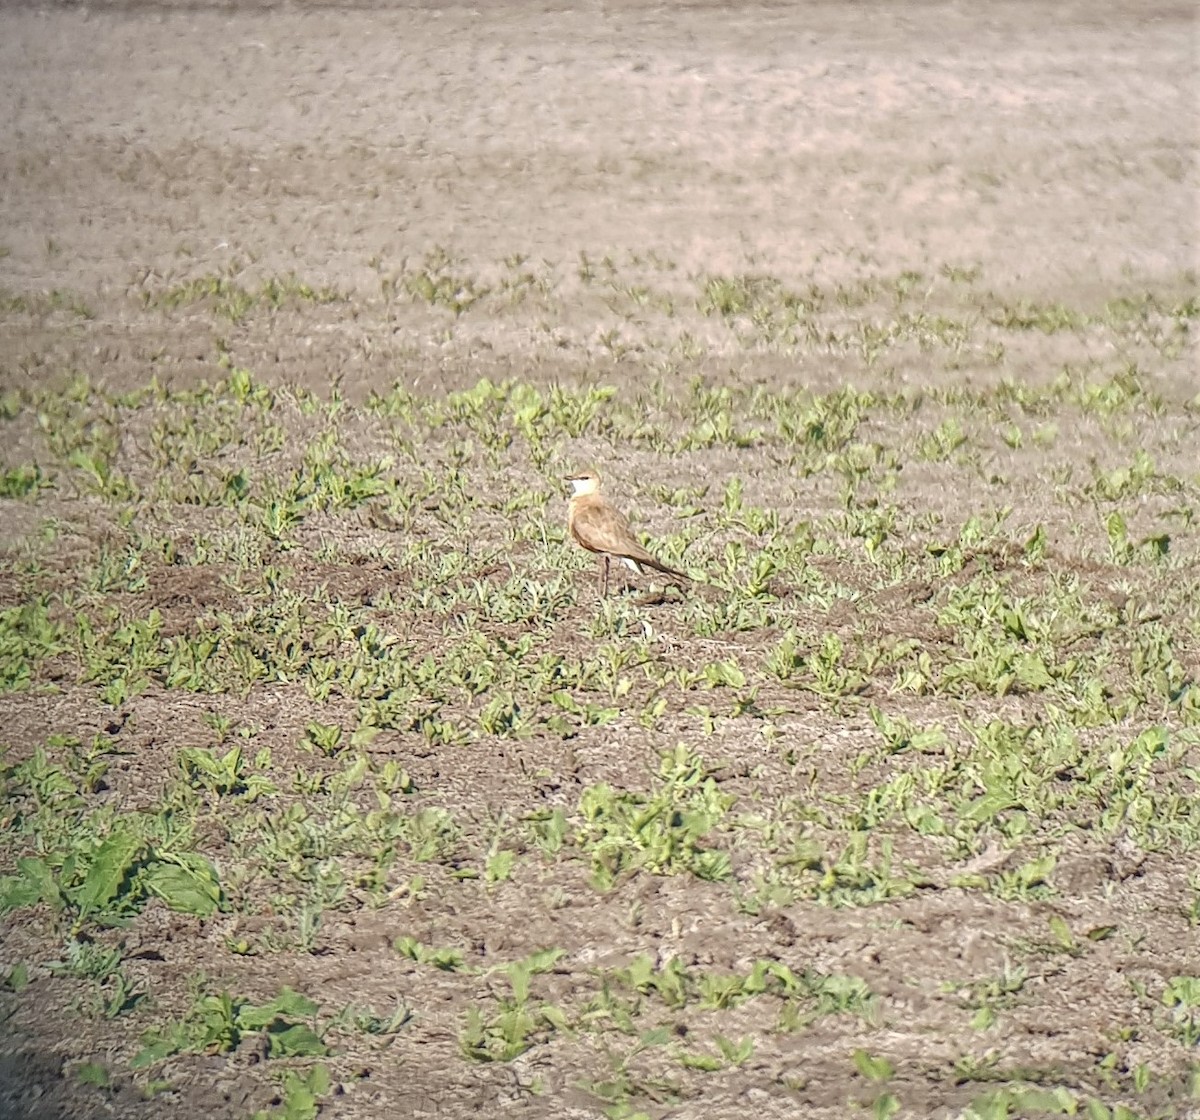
(659, 566)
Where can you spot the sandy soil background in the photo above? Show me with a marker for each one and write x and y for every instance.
(1052, 145)
(1045, 151)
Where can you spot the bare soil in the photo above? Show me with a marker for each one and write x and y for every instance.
(1048, 149)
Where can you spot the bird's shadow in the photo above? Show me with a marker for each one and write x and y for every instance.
(672, 593)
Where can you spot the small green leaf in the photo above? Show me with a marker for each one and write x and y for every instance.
(407, 946)
(187, 884)
(294, 1040)
(288, 1004)
(300, 1096)
(543, 960)
(154, 1052)
(706, 1063)
(500, 865)
(319, 1081)
(1058, 1102)
(17, 979)
(364, 736)
(983, 1019)
(1036, 871)
(658, 1036)
(873, 1069)
(38, 873)
(1117, 529)
(92, 1073)
(885, 1107)
(1062, 932)
(555, 1016)
(110, 865)
(18, 891)
(1032, 672)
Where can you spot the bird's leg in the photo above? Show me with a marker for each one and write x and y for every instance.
(604, 577)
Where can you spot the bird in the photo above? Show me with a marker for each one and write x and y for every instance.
(597, 525)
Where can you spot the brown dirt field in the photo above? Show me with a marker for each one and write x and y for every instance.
(577, 175)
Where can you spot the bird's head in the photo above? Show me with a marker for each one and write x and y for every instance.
(583, 483)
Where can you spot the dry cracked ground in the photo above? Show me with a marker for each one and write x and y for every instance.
(329, 785)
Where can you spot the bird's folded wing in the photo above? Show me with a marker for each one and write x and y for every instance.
(604, 529)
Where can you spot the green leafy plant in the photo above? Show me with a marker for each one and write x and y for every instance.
(301, 1095)
(217, 1023)
(662, 832)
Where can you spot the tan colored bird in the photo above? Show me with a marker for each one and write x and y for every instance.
(601, 528)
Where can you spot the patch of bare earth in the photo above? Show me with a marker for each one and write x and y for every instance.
(927, 204)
